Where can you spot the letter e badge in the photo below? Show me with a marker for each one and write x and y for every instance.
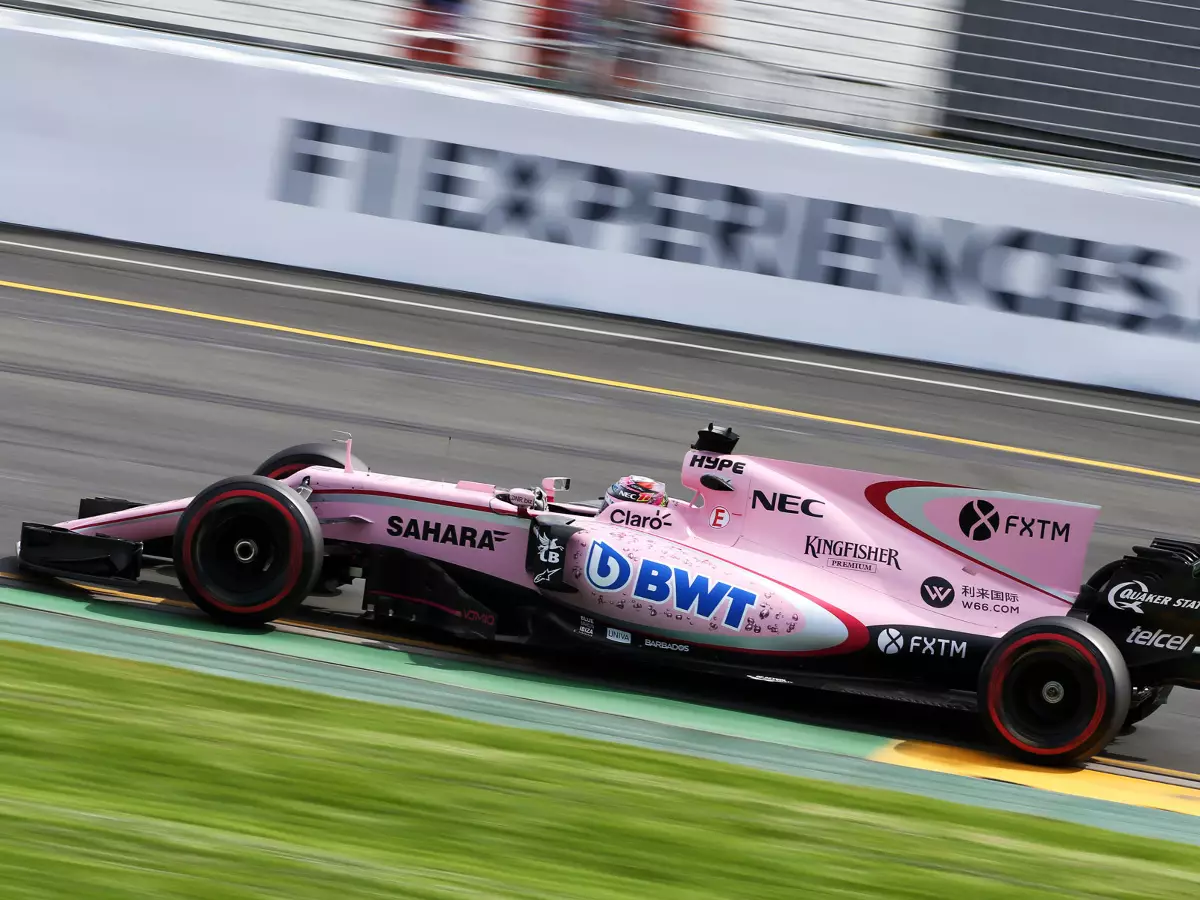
(719, 517)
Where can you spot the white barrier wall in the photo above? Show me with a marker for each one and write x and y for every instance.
(541, 198)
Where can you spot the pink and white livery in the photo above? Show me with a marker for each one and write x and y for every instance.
(772, 570)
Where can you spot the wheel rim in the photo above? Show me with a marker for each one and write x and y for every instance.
(1049, 697)
(241, 553)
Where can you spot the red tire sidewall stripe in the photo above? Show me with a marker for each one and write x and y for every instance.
(294, 556)
(290, 469)
(996, 684)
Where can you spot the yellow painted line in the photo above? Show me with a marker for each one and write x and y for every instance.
(607, 382)
(1075, 782)
(375, 636)
(1143, 767)
(309, 626)
(125, 595)
(98, 589)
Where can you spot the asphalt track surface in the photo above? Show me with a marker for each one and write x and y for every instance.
(150, 404)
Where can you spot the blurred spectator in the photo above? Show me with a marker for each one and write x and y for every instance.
(608, 43)
(682, 25)
(628, 32)
(553, 25)
(433, 27)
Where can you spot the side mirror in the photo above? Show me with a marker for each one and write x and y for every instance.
(716, 483)
(551, 485)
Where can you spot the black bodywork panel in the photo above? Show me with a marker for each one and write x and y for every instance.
(103, 506)
(1148, 603)
(545, 557)
(412, 588)
(51, 550)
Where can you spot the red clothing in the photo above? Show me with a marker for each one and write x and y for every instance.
(443, 16)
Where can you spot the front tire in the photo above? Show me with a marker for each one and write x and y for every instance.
(301, 456)
(248, 550)
(1054, 691)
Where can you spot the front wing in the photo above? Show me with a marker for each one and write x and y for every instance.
(52, 550)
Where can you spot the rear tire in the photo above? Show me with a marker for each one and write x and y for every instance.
(301, 456)
(248, 550)
(1054, 691)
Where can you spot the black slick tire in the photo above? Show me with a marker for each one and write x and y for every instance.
(1054, 691)
(248, 550)
(301, 456)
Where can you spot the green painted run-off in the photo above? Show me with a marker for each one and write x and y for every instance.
(470, 690)
(590, 697)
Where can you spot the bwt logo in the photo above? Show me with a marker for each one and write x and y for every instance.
(608, 570)
(979, 520)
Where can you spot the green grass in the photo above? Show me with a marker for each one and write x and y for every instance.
(126, 780)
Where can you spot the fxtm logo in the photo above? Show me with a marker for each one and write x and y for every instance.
(435, 532)
(891, 642)
(979, 520)
(1144, 637)
(1130, 595)
(608, 570)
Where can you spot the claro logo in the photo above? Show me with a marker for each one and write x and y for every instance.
(641, 520)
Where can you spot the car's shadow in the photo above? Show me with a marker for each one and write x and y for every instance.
(163, 602)
(887, 718)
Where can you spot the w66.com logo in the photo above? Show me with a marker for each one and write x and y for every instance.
(937, 592)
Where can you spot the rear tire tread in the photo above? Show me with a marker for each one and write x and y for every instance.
(1085, 654)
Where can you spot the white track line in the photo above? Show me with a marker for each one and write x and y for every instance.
(517, 320)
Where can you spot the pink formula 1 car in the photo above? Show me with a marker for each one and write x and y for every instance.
(772, 570)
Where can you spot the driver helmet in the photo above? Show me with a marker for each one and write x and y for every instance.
(636, 489)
